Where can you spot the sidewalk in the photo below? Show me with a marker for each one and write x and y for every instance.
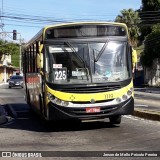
(2, 83)
(147, 103)
(154, 90)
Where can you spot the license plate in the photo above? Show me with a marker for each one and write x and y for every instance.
(17, 84)
(93, 110)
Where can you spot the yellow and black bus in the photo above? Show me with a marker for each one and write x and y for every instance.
(80, 71)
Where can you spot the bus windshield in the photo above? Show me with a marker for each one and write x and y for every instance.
(90, 62)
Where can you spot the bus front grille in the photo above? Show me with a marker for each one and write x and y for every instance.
(88, 89)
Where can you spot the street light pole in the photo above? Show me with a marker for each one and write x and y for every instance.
(5, 66)
(20, 50)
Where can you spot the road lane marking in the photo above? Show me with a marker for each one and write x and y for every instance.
(141, 105)
(141, 119)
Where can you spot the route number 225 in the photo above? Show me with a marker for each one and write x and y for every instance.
(60, 74)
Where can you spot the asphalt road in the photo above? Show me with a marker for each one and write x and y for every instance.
(28, 133)
(148, 101)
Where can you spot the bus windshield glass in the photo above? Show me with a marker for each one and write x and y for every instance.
(90, 62)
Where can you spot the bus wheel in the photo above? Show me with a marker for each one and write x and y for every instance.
(115, 119)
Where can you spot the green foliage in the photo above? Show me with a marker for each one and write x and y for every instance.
(150, 33)
(150, 5)
(130, 18)
(145, 60)
(144, 30)
(152, 47)
(10, 49)
(148, 16)
(15, 60)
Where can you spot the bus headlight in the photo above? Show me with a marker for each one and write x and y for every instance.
(65, 103)
(50, 96)
(129, 93)
(118, 100)
(58, 101)
(124, 97)
(121, 99)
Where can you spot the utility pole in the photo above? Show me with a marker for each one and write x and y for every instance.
(20, 48)
(1, 15)
(5, 66)
(20, 54)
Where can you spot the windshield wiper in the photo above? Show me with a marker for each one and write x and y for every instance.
(79, 57)
(74, 51)
(101, 51)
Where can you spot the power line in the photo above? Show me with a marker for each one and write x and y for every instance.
(41, 20)
(37, 19)
(11, 24)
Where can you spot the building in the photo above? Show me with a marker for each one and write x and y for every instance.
(152, 75)
(6, 69)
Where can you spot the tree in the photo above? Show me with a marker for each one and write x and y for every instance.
(9, 48)
(150, 5)
(152, 46)
(130, 18)
(149, 14)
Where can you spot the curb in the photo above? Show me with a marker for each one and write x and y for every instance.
(151, 115)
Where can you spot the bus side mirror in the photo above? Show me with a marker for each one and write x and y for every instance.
(134, 58)
(40, 57)
(40, 48)
(40, 61)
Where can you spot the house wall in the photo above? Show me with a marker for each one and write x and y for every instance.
(152, 75)
(5, 59)
(1, 74)
(9, 72)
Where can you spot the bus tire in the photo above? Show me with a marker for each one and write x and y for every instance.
(115, 119)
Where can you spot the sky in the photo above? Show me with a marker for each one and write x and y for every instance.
(29, 16)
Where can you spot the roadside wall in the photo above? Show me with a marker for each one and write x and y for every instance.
(152, 75)
(9, 72)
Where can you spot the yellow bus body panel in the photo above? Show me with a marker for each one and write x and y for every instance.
(82, 97)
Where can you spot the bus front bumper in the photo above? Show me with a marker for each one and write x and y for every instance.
(61, 113)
